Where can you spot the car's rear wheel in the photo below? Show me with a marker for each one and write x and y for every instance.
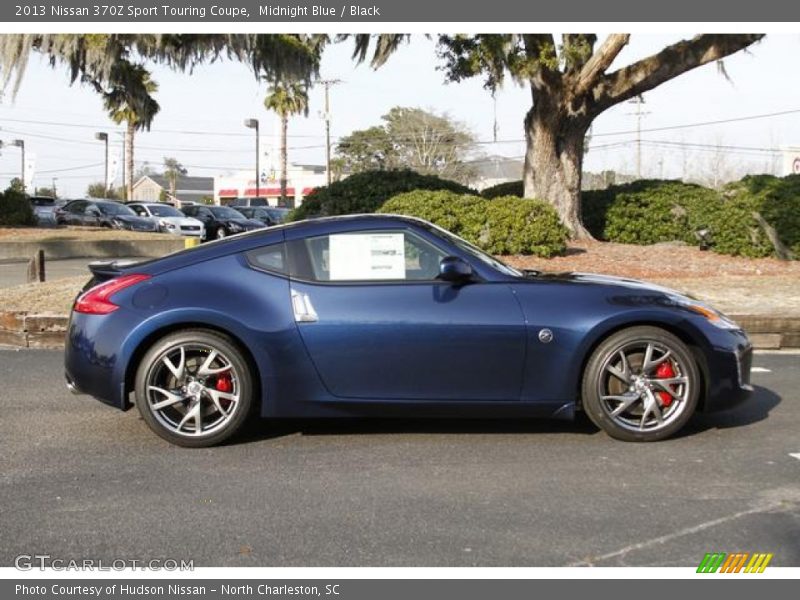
(194, 388)
(641, 384)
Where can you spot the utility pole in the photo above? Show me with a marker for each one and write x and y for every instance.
(638, 101)
(103, 137)
(21, 145)
(253, 124)
(327, 115)
(494, 125)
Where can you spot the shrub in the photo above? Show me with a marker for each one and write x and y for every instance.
(16, 209)
(509, 188)
(366, 192)
(737, 230)
(507, 225)
(648, 211)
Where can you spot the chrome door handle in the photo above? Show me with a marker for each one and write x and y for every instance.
(303, 309)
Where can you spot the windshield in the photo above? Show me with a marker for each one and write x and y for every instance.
(111, 208)
(472, 250)
(223, 212)
(164, 210)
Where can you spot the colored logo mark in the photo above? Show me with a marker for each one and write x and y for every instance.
(738, 562)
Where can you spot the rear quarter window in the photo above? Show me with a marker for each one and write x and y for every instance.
(270, 258)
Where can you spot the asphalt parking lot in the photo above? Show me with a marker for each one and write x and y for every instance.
(81, 480)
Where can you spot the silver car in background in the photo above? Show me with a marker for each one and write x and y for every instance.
(168, 218)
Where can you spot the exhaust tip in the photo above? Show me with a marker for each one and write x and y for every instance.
(72, 387)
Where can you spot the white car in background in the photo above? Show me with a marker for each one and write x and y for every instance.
(169, 218)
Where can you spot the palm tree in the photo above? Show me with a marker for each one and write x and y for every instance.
(173, 170)
(286, 99)
(129, 101)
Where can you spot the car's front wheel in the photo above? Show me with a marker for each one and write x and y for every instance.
(194, 388)
(221, 233)
(641, 384)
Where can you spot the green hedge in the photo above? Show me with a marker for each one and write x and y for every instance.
(648, 211)
(737, 229)
(509, 188)
(15, 208)
(507, 225)
(651, 211)
(366, 192)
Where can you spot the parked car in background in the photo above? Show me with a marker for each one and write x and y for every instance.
(269, 215)
(221, 221)
(237, 202)
(379, 315)
(102, 213)
(168, 218)
(44, 208)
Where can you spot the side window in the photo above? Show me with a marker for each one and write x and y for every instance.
(139, 210)
(268, 258)
(365, 256)
(77, 207)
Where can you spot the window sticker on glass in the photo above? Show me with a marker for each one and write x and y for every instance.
(367, 256)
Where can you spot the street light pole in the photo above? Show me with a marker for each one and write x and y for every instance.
(21, 145)
(103, 137)
(253, 124)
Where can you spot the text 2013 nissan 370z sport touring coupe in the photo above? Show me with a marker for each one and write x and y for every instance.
(378, 315)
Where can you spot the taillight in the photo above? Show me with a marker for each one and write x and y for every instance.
(97, 300)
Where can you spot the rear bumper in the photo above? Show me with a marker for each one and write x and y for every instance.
(91, 358)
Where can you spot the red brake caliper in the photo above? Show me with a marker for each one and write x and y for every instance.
(224, 384)
(665, 371)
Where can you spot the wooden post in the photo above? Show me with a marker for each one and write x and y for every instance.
(36, 270)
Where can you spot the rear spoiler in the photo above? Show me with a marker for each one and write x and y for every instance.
(103, 270)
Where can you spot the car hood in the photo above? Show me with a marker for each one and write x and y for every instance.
(607, 281)
(139, 222)
(180, 221)
(244, 222)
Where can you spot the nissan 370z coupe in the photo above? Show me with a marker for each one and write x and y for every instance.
(378, 315)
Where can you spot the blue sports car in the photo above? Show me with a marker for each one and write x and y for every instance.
(377, 315)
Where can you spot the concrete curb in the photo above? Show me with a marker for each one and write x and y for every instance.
(58, 249)
(32, 331)
(23, 330)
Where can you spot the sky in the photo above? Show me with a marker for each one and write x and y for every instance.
(202, 113)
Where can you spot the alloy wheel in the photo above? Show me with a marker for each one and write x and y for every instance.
(643, 386)
(193, 389)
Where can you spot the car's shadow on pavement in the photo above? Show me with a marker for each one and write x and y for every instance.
(754, 409)
(264, 429)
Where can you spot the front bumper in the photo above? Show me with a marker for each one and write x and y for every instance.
(728, 374)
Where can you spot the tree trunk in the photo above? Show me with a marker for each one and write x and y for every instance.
(554, 161)
(284, 159)
(129, 161)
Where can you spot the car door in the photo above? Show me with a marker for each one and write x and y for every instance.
(75, 212)
(92, 215)
(378, 325)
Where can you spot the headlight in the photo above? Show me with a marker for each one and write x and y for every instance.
(713, 316)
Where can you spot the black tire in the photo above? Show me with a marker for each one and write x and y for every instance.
(221, 233)
(239, 371)
(597, 378)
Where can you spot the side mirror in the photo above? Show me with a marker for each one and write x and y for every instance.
(454, 269)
